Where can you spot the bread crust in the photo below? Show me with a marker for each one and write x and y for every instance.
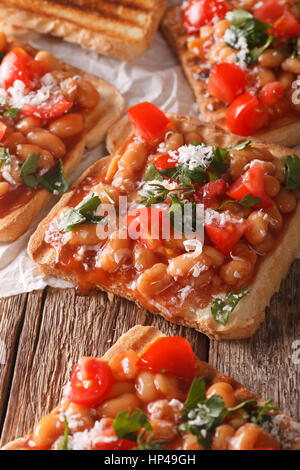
(250, 311)
(20, 13)
(97, 123)
(285, 131)
(138, 338)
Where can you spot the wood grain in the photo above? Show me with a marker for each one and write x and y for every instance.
(46, 331)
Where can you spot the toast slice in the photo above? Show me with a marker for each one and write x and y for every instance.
(96, 124)
(123, 30)
(250, 310)
(284, 131)
(141, 337)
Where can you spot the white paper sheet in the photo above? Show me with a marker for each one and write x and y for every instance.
(155, 77)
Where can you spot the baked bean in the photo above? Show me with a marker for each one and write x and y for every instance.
(190, 442)
(116, 253)
(69, 88)
(272, 185)
(174, 141)
(154, 280)
(13, 140)
(237, 419)
(119, 388)
(124, 181)
(143, 258)
(265, 76)
(162, 409)
(111, 408)
(27, 124)
(266, 441)
(67, 126)
(106, 193)
(81, 417)
(46, 160)
(167, 385)
(222, 436)
(145, 387)
(85, 234)
(271, 58)
(202, 279)
(236, 272)
(3, 41)
(291, 64)
(163, 429)
(48, 141)
(286, 78)
(286, 201)
(189, 264)
(217, 258)
(87, 95)
(123, 365)
(221, 28)
(279, 171)
(192, 137)
(258, 227)
(223, 390)
(4, 187)
(52, 62)
(112, 168)
(245, 437)
(133, 159)
(275, 218)
(295, 445)
(47, 431)
(242, 250)
(265, 246)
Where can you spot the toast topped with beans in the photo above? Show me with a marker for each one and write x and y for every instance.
(149, 392)
(184, 219)
(242, 59)
(49, 112)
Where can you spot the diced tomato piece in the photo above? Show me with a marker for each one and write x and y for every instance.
(109, 443)
(55, 106)
(149, 122)
(271, 93)
(270, 11)
(3, 130)
(286, 26)
(148, 225)
(210, 191)
(164, 162)
(226, 82)
(91, 382)
(225, 235)
(18, 65)
(252, 182)
(171, 355)
(201, 12)
(245, 115)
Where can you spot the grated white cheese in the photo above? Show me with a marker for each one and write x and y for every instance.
(194, 155)
(222, 218)
(242, 45)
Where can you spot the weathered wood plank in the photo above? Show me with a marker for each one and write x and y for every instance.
(264, 363)
(11, 318)
(58, 329)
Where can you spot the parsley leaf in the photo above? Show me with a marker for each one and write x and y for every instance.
(84, 212)
(292, 172)
(127, 426)
(247, 201)
(55, 180)
(64, 444)
(28, 170)
(219, 160)
(152, 173)
(260, 414)
(4, 156)
(257, 51)
(149, 443)
(222, 308)
(13, 112)
(241, 146)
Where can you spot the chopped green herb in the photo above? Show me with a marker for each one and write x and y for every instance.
(257, 51)
(127, 426)
(28, 170)
(64, 443)
(219, 160)
(55, 180)
(13, 112)
(84, 212)
(222, 308)
(152, 173)
(111, 200)
(292, 172)
(247, 201)
(241, 146)
(4, 156)
(296, 48)
(148, 443)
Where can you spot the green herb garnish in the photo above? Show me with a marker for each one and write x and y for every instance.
(149, 443)
(247, 201)
(64, 443)
(84, 212)
(13, 112)
(54, 181)
(127, 426)
(222, 308)
(292, 172)
(4, 156)
(152, 173)
(241, 146)
(28, 170)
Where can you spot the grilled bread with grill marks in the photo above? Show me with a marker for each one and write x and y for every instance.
(122, 29)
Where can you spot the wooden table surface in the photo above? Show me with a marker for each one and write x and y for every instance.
(44, 333)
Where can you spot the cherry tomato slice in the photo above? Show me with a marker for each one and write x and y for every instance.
(55, 106)
(18, 65)
(270, 11)
(3, 130)
(226, 235)
(172, 355)
(112, 444)
(252, 182)
(164, 162)
(271, 93)
(286, 26)
(91, 382)
(147, 225)
(226, 82)
(201, 12)
(245, 115)
(210, 191)
(149, 122)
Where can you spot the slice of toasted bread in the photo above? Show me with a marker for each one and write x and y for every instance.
(139, 337)
(285, 131)
(97, 123)
(123, 29)
(250, 311)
